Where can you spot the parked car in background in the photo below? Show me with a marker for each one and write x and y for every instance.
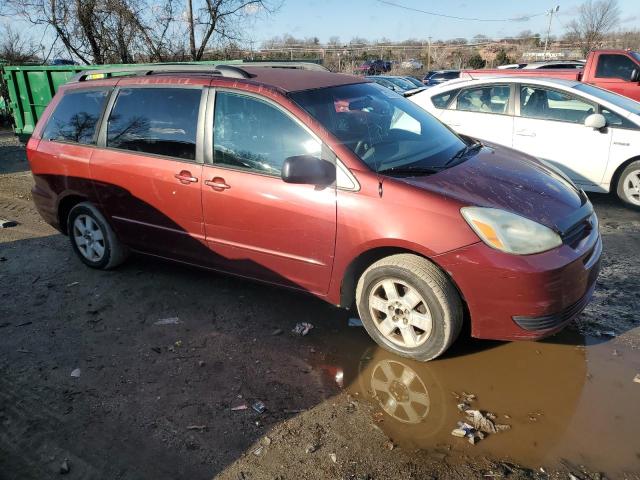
(374, 67)
(415, 81)
(590, 134)
(412, 64)
(398, 84)
(319, 182)
(614, 70)
(440, 76)
(63, 61)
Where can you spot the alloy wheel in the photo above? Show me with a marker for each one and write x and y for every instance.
(89, 238)
(631, 187)
(400, 313)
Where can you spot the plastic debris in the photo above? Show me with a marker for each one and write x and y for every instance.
(637, 378)
(355, 322)
(238, 408)
(276, 332)
(481, 422)
(65, 467)
(301, 329)
(4, 223)
(258, 451)
(333, 457)
(312, 447)
(168, 321)
(75, 373)
(458, 432)
(259, 407)
(196, 427)
(266, 441)
(73, 284)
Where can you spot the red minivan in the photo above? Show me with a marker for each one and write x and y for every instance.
(319, 182)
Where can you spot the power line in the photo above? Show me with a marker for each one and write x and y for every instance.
(435, 14)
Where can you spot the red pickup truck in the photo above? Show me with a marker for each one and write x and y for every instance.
(614, 70)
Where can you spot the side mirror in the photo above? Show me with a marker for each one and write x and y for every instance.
(635, 75)
(307, 169)
(595, 121)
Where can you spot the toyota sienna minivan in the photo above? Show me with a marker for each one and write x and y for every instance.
(320, 182)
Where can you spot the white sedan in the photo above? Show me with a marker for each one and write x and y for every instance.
(591, 134)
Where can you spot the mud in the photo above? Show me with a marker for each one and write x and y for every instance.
(570, 400)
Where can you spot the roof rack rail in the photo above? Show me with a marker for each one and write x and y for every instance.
(142, 70)
(293, 65)
(230, 71)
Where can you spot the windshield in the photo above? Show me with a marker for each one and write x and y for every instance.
(618, 100)
(635, 55)
(382, 128)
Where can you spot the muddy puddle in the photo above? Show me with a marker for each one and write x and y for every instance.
(569, 398)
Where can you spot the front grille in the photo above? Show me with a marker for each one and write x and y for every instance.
(547, 322)
(574, 235)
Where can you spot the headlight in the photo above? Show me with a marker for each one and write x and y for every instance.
(509, 232)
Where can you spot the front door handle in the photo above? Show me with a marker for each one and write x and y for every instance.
(185, 177)
(525, 133)
(217, 183)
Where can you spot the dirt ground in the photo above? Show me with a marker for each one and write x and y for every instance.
(166, 401)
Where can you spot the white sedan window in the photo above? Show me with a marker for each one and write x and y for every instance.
(539, 102)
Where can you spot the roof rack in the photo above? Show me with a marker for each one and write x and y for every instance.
(230, 71)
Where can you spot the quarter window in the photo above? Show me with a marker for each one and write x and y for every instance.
(615, 66)
(536, 102)
(488, 99)
(161, 121)
(76, 116)
(252, 134)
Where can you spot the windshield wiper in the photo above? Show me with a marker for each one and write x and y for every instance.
(463, 152)
(409, 171)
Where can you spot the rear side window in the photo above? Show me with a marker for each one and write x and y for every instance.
(76, 116)
(615, 66)
(161, 121)
(443, 100)
(487, 99)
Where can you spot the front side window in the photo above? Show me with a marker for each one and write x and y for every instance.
(161, 121)
(76, 116)
(385, 130)
(615, 66)
(487, 99)
(251, 134)
(538, 102)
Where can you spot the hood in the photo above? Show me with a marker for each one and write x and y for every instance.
(500, 177)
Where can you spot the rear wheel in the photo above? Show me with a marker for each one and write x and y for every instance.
(409, 306)
(93, 239)
(628, 188)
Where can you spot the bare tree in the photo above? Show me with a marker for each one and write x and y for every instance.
(16, 48)
(219, 21)
(594, 20)
(104, 31)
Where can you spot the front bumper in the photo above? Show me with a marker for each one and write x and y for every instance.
(513, 297)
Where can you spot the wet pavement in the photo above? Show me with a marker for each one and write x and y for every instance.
(567, 399)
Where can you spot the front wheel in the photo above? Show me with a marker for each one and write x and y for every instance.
(93, 239)
(628, 188)
(409, 306)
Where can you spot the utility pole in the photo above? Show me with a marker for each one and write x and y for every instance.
(550, 13)
(429, 56)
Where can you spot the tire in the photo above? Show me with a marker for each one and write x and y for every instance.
(628, 187)
(93, 239)
(427, 313)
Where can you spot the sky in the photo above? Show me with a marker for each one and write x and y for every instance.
(373, 19)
